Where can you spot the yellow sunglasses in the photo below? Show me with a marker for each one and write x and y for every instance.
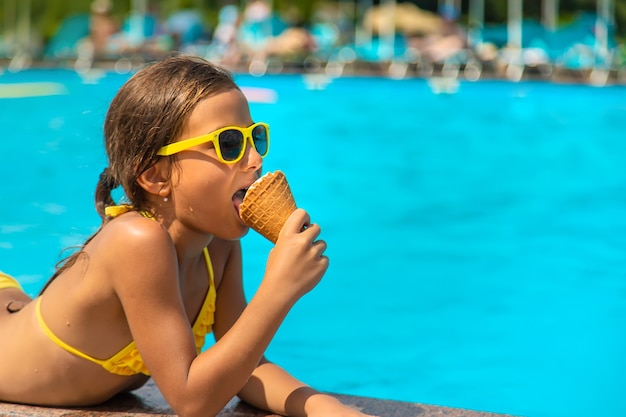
(230, 142)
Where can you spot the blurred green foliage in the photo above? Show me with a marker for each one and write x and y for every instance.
(46, 15)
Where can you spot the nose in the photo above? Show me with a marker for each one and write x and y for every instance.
(253, 158)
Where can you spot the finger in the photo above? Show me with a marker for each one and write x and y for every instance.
(320, 247)
(325, 262)
(312, 231)
(297, 221)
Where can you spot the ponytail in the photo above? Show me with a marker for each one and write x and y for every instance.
(106, 184)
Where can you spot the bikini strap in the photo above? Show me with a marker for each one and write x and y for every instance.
(209, 265)
(55, 339)
(203, 324)
(114, 211)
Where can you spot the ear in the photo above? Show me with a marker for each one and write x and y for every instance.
(156, 179)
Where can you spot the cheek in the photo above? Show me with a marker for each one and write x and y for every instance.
(206, 187)
(202, 184)
(203, 194)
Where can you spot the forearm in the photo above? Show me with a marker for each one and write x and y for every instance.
(272, 388)
(217, 374)
(243, 332)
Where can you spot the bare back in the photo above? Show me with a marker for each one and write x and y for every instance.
(82, 308)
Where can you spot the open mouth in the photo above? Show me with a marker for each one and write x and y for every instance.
(238, 198)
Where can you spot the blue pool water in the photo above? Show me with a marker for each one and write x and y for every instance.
(477, 240)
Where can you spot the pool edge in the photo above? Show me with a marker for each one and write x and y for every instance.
(148, 401)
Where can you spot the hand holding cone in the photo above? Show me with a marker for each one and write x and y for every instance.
(267, 205)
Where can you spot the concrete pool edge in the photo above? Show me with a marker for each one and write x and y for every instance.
(148, 401)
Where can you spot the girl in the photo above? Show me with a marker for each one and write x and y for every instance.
(163, 271)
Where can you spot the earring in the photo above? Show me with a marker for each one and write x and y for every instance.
(165, 199)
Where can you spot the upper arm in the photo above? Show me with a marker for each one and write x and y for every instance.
(145, 279)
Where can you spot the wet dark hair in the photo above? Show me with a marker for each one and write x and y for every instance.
(149, 111)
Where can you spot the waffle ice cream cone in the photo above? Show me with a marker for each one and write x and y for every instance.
(267, 205)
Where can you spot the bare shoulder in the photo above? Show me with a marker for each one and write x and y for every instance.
(133, 245)
(138, 233)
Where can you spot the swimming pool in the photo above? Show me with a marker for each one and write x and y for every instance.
(477, 240)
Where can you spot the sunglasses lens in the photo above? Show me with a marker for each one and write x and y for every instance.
(259, 134)
(231, 143)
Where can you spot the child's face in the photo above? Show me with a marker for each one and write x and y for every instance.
(205, 191)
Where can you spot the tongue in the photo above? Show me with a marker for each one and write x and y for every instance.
(238, 199)
(237, 203)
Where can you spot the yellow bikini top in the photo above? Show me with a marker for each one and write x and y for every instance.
(128, 361)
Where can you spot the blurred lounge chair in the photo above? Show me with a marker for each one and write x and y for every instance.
(141, 38)
(325, 35)
(581, 54)
(569, 51)
(64, 44)
(187, 29)
(387, 54)
(224, 47)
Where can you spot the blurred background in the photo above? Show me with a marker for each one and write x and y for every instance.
(551, 39)
(465, 159)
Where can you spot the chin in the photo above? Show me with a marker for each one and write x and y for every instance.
(236, 236)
